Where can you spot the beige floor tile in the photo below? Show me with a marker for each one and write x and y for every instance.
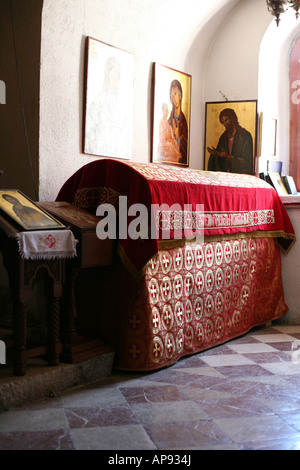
(282, 368)
(256, 428)
(202, 393)
(252, 348)
(93, 396)
(274, 338)
(168, 412)
(206, 371)
(28, 420)
(199, 403)
(131, 437)
(288, 328)
(227, 360)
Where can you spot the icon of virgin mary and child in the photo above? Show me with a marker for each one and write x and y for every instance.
(173, 130)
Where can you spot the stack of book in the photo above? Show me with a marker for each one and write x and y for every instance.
(284, 185)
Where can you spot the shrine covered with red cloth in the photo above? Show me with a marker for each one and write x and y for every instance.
(166, 298)
(232, 204)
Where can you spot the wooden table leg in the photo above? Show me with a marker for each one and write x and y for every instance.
(69, 318)
(22, 274)
(54, 345)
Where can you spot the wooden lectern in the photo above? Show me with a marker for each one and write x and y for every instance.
(91, 252)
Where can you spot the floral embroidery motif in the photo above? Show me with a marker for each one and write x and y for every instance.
(50, 241)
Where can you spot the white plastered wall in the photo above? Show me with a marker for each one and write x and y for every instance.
(217, 42)
(273, 98)
(165, 31)
(273, 88)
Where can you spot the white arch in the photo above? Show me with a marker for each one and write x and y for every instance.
(273, 85)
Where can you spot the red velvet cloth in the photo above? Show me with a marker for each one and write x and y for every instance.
(232, 204)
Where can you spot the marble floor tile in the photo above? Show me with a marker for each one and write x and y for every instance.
(198, 371)
(132, 437)
(243, 370)
(37, 420)
(93, 396)
(242, 395)
(59, 439)
(282, 406)
(192, 434)
(272, 444)
(286, 346)
(293, 329)
(153, 394)
(275, 356)
(251, 348)
(228, 360)
(275, 338)
(233, 407)
(167, 412)
(282, 368)
(86, 417)
(204, 393)
(293, 419)
(256, 428)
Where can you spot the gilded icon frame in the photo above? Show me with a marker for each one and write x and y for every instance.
(246, 113)
(23, 211)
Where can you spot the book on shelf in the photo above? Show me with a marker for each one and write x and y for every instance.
(289, 183)
(275, 180)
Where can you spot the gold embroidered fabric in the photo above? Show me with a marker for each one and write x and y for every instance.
(197, 296)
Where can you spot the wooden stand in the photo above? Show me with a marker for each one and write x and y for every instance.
(92, 252)
(22, 274)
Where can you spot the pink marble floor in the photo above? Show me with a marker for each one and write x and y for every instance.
(242, 395)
